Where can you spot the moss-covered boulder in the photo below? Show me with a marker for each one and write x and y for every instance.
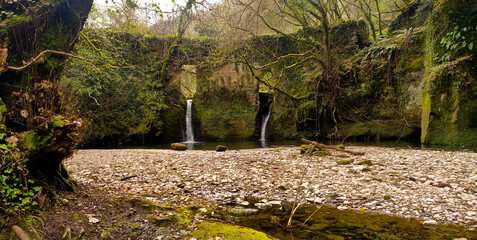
(207, 230)
(178, 146)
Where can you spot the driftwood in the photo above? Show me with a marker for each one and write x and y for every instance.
(322, 147)
(128, 177)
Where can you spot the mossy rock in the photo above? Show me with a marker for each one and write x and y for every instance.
(221, 148)
(304, 148)
(334, 237)
(178, 146)
(345, 162)
(320, 153)
(365, 162)
(208, 230)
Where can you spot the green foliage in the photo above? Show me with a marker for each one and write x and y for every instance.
(205, 29)
(119, 93)
(58, 121)
(16, 190)
(3, 110)
(225, 115)
(34, 141)
(457, 40)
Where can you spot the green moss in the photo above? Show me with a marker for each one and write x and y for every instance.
(237, 213)
(430, 75)
(345, 162)
(381, 128)
(366, 162)
(3, 111)
(334, 237)
(58, 121)
(208, 230)
(32, 141)
(326, 221)
(320, 153)
(224, 115)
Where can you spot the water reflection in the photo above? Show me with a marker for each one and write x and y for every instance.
(232, 145)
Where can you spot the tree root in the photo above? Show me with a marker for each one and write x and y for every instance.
(321, 147)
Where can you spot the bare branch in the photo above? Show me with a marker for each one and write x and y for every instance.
(44, 52)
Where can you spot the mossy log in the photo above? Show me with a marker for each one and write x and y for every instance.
(336, 148)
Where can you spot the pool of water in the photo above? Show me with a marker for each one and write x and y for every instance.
(230, 145)
(235, 145)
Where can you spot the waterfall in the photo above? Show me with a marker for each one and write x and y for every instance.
(189, 134)
(263, 134)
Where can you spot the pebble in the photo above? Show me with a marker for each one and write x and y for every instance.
(371, 204)
(430, 222)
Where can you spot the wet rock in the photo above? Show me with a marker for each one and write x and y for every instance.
(442, 185)
(275, 202)
(263, 205)
(221, 148)
(178, 146)
(429, 222)
(371, 204)
(286, 207)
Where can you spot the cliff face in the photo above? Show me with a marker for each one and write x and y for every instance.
(416, 82)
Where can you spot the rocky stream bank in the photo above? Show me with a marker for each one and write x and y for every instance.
(431, 186)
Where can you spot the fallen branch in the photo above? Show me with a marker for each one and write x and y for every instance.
(323, 146)
(67, 234)
(95, 100)
(296, 204)
(126, 178)
(41, 54)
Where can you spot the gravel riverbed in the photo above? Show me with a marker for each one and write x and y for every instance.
(435, 186)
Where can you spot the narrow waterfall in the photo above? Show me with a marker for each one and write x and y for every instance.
(189, 134)
(265, 119)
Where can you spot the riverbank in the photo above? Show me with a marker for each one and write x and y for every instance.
(435, 186)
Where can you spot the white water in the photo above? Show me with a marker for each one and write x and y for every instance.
(263, 134)
(189, 134)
